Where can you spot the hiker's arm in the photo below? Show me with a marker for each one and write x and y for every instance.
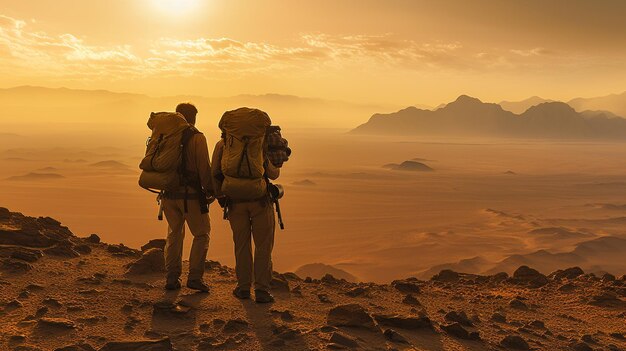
(271, 171)
(216, 167)
(203, 163)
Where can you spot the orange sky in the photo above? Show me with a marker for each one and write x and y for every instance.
(399, 52)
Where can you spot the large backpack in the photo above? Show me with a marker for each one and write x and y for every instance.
(278, 150)
(243, 131)
(163, 166)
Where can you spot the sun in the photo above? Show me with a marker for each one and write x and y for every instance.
(176, 7)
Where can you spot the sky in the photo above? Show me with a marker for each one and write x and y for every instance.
(401, 52)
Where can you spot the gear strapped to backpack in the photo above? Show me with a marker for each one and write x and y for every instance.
(243, 131)
(164, 166)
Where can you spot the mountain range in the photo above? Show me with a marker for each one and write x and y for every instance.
(468, 116)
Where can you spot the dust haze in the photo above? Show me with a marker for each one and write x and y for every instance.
(372, 207)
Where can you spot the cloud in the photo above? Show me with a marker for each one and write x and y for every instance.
(27, 51)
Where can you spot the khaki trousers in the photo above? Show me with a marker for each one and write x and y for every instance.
(200, 227)
(253, 221)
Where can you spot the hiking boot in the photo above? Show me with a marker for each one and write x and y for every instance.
(172, 284)
(198, 284)
(241, 294)
(262, 296)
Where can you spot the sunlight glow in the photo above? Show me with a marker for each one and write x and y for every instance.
(176, 7)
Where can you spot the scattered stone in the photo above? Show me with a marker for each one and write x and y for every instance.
(323, 298)
(446, 275)
(169, 308)
(569, 273)
(514, 342)
(297, 290)
(606, 299)
(16, 266)
(279, 283)
(618, 335)
(17, 339)
(394, 336)
(142, 345)
(285, 315)
(537, 324)
(357, 292)
(151, 261)
(351, 315)
(411, 300)
(529, 277)
(154, 244)
(459, 317)
(77, 347)
(4, 213)
(581, 346)
(567, 287)
(343, 339)
(52, 302)
(406, 287)
(28, 255)
(398, 321)
(14, 304)
(63, 249)
(608, 278)
(235, 325)
(518, 304)
(284, 332)
(56, 323)
(83, 249)
(122, 250)
(457, 330)
(330, 279)
(127, 308)
(132, 322)
(41, 311)
(499, 277)
(93, 238)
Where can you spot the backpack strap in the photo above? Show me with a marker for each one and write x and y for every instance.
(182, 170)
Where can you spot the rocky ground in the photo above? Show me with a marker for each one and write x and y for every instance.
(61, 292)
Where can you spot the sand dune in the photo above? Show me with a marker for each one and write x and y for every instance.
(33, 176)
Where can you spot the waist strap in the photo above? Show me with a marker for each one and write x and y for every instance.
(181, 196)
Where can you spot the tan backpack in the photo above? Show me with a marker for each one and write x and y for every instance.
(243, 131)
(163, 164)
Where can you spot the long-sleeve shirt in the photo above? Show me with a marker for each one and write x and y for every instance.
(271, 171)
(198, 162)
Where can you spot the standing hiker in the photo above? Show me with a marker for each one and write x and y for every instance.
(177, 163)
(241, 171)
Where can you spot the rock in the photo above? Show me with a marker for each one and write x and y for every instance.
(35, 287)
(581, 346)
(394, 336)
(154, 244)
(284, 332)
(26, 348)
(411, 300)
(330, 279)
(279, 283)
(170, 309)
(514, 342)
(457, 330)
(41, 311)
(459, 317)
(83, 249)
(606, 299)
(323, 298)
(28, 255)
(351, 315)
(537, 324)
(343, 339)
(14, 304)
(569, 273)
(285, 315)
(235, 325)
(498, 318)
(618, 335)
(63, 249)
(56, 323)
(52, 302)
(76, 347)
(529, 277)
(499, 277)
(446, 275)
(608, 278)
(151, 261)
(398, 321)
(141, 345)
(518, 304)
(17, 339)
(357, 292)
(588, 339)
(93, 238)
(4, 213)
(16, 266)
(406, 287)
(568, 287)
(122, 250)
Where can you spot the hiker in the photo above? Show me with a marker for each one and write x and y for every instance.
(187, 190)
(241, 172)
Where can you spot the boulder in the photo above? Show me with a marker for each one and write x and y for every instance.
(154, 244)
(25, 254)
(351, 315)
(411, 300)
(93, 238)
(406, 287)
(56, 323)
(403, 322)
(569, 273)
(446, 275)
(279, 283)
(518, 304)
(459, 317)
(514, 342)
(4, 214)
(607, 299)
(15, 266)
(343, 339)
(456, 330)
(63, 248)
(530, 277)
(394, 336)
(151, 261)
(498, 318)
(141, 345)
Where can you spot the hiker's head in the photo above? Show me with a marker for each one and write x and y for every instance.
(188, 110)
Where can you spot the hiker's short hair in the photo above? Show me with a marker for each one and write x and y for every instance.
(188, 110)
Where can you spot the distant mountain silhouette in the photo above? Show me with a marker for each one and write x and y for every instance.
(412, 166)
(468, 116)
(521, 106)
(615, 103)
